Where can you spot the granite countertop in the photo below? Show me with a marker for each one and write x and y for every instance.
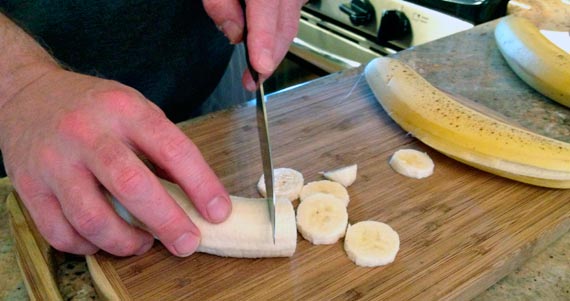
(544, 277)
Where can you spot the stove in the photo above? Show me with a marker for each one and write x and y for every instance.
(339, 34)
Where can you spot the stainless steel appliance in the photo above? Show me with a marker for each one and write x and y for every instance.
(339, 34)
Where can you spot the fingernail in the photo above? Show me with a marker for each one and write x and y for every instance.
(186, 244)
(145, 247)
(265, 61)
(218, 209)
(231, 30)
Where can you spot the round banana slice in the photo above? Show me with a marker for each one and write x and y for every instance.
(287, 184)
(322, 219)
(344, 175)
(371, 243)
(325, 186)
(412, 163)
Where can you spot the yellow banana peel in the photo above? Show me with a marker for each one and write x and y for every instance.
(535, 59)
(449, 126)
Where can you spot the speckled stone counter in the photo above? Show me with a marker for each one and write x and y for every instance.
(544, 277)
(11, 284)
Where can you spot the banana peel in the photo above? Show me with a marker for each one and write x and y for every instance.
(460, 132)
(535, 59)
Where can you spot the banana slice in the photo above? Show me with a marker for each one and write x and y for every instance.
(371, 243)
(287, 184)
(325, 186)
(344, 175)
(322, 219)
(412, 163)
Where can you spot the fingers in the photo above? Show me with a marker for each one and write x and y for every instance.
(272, 25)
(287, 26)
(248, 82)
(48, 217)
(262, 19)
(176, 155)
(89, 212)
(78, 142)
(228, 16)
(140, 192)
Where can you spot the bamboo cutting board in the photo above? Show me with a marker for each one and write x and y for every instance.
(461, 229)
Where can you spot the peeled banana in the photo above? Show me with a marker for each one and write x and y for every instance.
(412, 163)
(287, 183)
(442, 122)
(371, 243)
(535, 59)
(246, 233)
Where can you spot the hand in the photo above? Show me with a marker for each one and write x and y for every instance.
(272, 25)
(65, 136)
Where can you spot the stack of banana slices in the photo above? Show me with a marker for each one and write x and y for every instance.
(322, 215)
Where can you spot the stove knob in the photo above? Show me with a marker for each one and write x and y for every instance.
(360, 12)
(394, 25)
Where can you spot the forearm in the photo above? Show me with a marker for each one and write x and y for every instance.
(22, 59)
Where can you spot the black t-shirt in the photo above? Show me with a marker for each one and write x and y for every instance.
(170, 51)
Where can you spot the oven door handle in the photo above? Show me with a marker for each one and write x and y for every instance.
(321, 58)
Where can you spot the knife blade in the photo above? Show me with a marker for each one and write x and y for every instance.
(263, 131)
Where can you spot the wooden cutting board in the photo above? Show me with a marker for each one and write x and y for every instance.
(461, 229)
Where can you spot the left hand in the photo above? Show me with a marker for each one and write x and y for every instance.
(272, 25)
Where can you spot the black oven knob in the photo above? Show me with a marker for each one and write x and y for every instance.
(360, 12)
(394, 25)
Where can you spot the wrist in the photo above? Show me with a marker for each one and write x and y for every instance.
(21, 77)
(22, 60)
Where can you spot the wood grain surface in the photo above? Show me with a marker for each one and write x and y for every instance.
(461, 229)
(33, 254)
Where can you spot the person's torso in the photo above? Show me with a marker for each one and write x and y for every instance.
(169, 50)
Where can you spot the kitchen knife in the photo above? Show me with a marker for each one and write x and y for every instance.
(262, 129)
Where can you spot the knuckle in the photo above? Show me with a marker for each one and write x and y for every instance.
(25, 183)
(130, 181)
(118, 99)
(90, 222)
(154, 117)
(169, 222)
(75, 193)
(48, 158)
(109, 154)
(32, 191)
(175, 149)
(199, 181)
